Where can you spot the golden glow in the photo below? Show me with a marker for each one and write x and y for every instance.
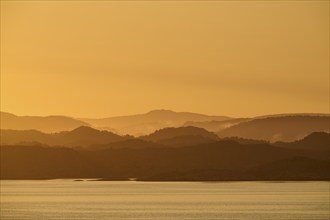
(103, 58)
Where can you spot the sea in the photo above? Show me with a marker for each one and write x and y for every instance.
(89, 199)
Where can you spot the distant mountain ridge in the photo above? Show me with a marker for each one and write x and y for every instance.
(314, 141)
(81, 136)
(277, 147)
(48, 124)
(216, 126)
(142, 124)
(279, 128)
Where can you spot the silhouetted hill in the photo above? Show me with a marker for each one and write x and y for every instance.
(81, 136)
(198, 175)
(130, 143)
(143, 124)
(245, 141)
(45, 124)
(28, 136)
(227, 155)
(186, 140)
(296, 168)
(35, 162)
(315, 141)
(291, 169)
(169, 133)
(221, 160)
(216, 126)
(142, 162)
(278, 128)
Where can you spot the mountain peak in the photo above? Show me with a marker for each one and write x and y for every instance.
(160, 111)
(84, 129)
(171, 132)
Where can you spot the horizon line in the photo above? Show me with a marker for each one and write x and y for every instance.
(168, 110)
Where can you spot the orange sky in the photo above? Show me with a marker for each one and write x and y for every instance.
(97, 59)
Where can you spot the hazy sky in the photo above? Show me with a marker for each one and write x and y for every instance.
(96, 59)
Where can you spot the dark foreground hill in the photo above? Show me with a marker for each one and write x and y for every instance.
(290, 169)
(37, 162)
(221, 160)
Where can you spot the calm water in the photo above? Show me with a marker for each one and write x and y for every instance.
(66, 199)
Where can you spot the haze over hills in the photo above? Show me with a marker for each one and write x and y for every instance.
(273, 128)
(284, 127)
(216, 126)
(175, 153)
(99, 59)
(147, 123)
(46, 124)
(86, 136)
(279, 127)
